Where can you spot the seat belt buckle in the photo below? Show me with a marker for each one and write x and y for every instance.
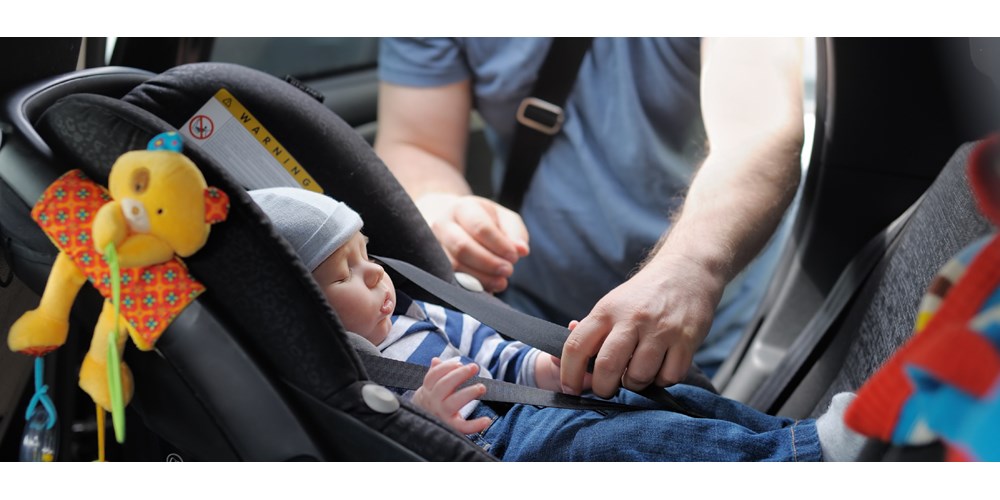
(540, 115)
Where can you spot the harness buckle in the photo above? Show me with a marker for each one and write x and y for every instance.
(540, 115)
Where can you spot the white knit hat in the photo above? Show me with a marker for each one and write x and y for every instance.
(314, 224)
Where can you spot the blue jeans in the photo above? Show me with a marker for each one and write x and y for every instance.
(731, 432)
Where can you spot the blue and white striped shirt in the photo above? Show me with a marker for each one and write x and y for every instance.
(425, 331)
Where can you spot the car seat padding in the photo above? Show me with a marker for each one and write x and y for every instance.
(946, 220)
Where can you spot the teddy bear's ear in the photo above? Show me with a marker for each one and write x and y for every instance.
(216, 205)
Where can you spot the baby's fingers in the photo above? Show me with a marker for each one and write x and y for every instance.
(462, 397)
(457, 375)
(439, 369)
(471, 426)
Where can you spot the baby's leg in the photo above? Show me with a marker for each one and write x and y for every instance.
(739, 433)
(839, 443)
(714, 406)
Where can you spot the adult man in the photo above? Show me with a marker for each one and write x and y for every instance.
(603, 193)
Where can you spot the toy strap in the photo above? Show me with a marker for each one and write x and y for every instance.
(114, 361)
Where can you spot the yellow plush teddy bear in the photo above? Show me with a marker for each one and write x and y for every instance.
(159, 207)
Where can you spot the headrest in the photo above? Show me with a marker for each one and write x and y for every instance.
(339, 159)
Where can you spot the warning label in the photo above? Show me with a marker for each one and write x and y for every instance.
(230, 134)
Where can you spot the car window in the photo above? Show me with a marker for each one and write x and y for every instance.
(302, 58)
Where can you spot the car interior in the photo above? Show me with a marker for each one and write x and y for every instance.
(883, 204)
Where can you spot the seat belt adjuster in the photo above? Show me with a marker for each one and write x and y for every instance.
(540, 115)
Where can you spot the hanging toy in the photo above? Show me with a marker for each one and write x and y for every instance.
(41, 436)
(157, 208)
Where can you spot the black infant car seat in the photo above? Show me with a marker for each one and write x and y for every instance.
(258, 367)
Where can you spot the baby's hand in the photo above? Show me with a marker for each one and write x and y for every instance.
(438, 395)
(547, 370)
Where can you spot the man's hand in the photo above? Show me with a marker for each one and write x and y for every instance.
(480, 237)
(647, 329)
(438, 395)
(644, 331)
(422, 139)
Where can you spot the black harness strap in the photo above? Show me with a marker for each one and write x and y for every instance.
(409, 376)
(540, 116)
(514, 324)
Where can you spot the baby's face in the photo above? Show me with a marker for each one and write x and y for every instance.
(358, 289)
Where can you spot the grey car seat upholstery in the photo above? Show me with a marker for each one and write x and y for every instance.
(946, 220)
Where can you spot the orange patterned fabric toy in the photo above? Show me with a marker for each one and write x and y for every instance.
(159, 207)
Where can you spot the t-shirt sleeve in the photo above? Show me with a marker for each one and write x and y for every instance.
(506, 360)
(421, 62)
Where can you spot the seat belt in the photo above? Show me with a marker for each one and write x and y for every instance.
(402, 375)
(409, 376)
(807, 347)
(540, 116)
(514, 324)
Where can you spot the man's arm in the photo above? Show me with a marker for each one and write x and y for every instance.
(647, 329)
(422, 137)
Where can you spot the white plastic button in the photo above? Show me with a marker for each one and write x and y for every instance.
(379, 398)
(469, 282)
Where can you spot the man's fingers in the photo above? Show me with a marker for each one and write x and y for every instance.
(646, 363)
(582, 343)
(513, 226)
(676, 366)
(482, 239)
(480, 221)
(468, 256)
(612, 360)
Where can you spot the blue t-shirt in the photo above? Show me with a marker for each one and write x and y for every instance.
(602, 194)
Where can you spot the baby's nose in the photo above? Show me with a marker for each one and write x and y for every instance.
(375, 274)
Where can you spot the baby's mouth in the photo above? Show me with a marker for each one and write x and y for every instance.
(387, 305)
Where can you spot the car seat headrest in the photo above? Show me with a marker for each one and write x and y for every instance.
(338, 158)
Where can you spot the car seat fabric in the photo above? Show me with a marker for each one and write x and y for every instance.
(941, 382)
(267, 297)
(884, 313)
